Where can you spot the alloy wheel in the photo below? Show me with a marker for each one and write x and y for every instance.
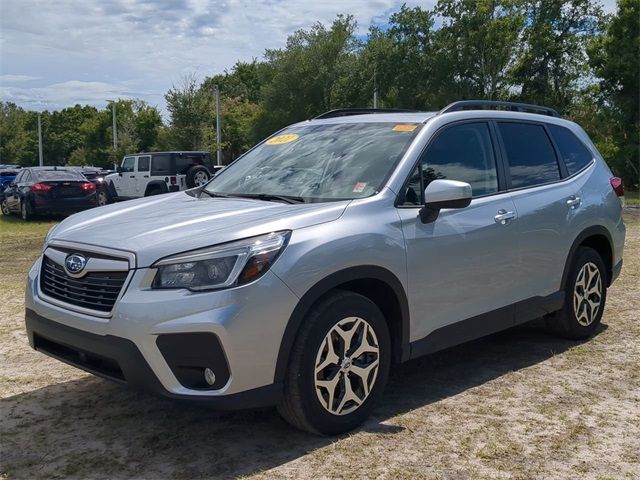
(200, 178)
(5, 208)
(102, 198)
(587, 294)
(346, 366)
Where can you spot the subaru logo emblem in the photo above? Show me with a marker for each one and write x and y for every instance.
(75, 263)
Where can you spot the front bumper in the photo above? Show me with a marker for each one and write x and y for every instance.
(248, 321)
(118, 359)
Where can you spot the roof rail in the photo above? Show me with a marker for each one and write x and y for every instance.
(495, 105)
(345, 112)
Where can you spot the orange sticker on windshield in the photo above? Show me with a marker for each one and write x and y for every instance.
(404, 128)
(280, 139)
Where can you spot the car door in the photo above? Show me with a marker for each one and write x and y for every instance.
(143, 168)
(124, 183)
(546, 205)
(461, 265)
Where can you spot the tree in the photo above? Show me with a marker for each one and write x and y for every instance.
(615, 59)
(189, 108)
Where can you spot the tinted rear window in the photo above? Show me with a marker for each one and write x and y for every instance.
(184, 161)
(161, 164)
(59, 175)
(532, 159)
(575, 155)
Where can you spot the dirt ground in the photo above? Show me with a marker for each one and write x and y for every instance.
(521, 404)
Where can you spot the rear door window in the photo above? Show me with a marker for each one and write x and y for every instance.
(573, 152)
(161, 164)
(532, 159)
(144, 163)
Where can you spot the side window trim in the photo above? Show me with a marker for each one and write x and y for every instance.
(502, 178)
(560, 164)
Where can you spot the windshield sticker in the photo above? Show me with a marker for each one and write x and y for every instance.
(404, 128)
(280, 139)
(359, 188)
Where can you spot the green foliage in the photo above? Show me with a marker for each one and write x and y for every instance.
(561, 53)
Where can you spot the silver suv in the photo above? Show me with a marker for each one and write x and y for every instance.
(335, 248)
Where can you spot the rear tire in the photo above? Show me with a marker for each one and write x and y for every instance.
(25, 211)
(585, 297)
(5, 208)
(330, 388)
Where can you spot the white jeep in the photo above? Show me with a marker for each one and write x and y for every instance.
(145, 174)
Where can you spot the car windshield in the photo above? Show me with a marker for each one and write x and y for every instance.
(316, 163)
(58, 175)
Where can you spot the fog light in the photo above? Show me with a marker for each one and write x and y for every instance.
(209, 376)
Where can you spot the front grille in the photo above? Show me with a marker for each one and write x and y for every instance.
(95, 290)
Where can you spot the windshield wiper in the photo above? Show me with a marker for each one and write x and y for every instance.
(214, 194)
(270, 198)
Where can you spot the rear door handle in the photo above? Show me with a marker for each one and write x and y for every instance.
(503, 217)
(574, 202)
(132, 176)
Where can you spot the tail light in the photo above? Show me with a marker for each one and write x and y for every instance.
(40, 187)
(618, 186)
(88, 187)
(173, 180)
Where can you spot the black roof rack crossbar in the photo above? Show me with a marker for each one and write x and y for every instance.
(494, 105)
(345, 112)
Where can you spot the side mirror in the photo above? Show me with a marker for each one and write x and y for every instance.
(119, 170)
(444, 194)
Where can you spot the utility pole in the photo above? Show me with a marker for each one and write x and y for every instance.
(113, 128)
(375, 89)
(40, 160)
(218, 127)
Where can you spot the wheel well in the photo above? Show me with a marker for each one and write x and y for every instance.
(376, 283)
(385, 298)
(601, 244)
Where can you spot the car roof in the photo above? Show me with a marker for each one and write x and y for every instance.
(394, 117)
(171, 151)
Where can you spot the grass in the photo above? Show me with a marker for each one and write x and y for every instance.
(631, 198)
(521, 404)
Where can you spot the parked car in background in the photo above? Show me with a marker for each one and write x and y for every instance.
(52, 190)
(153, 173)
(97, 175)
(7, 174)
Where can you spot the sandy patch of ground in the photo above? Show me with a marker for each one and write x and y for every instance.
(521, 404)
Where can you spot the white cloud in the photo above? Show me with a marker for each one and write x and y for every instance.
(16, 78)
(55, 54)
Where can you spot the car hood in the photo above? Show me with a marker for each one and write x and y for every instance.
(162, 225)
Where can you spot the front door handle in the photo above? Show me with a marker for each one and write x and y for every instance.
(574, 202)
(132, 176)
(503, 217)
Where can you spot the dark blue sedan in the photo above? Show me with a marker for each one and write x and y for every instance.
(40, 190)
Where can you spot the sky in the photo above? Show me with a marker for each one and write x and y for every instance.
(56, 53)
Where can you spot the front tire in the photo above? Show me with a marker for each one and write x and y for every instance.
(585, 297)
(4, 206)
(102, 197)
(338, 367)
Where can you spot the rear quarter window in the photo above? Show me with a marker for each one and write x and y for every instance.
(573, 152)
(532, 159)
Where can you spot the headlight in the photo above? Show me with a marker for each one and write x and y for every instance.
(222, 266)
